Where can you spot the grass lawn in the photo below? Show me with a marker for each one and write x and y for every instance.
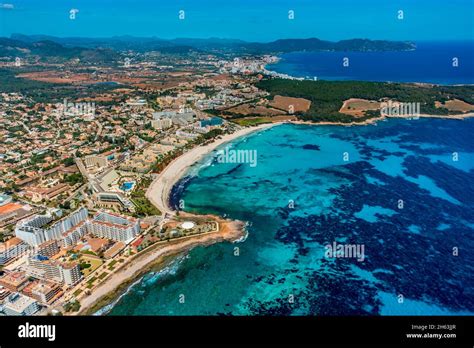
(252, 121)
(103, 275)
(111, 265)
(95, 263)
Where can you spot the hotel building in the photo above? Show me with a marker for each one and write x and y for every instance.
(68, 231)
(49, 248)
(72, 236)
(30, 231)
(12, 249)
(14, 281)
(114, 226)
(34, 232)
(18, 304)
(41, 267)
(161, 124)
(95, 161)
(44, 292)
(113, 200)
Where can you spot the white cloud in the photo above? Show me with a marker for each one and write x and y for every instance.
(7, 6)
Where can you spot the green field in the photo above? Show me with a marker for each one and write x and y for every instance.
(94, 264)
(252, 121)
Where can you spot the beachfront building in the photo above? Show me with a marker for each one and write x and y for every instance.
(44, 292)
(186, 135)
(71, 273)
(114, 226)
(18, 304)
(68, 231)
(41, 267)
(210, 122)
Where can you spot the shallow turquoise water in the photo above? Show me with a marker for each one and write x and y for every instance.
(303, 195)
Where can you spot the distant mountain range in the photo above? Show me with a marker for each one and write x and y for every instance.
(106, 48)
(50, 49)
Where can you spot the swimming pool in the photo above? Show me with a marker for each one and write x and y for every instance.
(127, 186)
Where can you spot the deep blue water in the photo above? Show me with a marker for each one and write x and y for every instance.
(431, 62)
(409, 249)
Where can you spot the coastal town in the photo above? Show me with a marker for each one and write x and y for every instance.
(90, 153)
(83, 200)
(218, 172)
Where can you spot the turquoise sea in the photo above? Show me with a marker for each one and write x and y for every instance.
(317, 185)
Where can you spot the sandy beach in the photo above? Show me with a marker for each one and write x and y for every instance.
(156, 254)
(158, 194)
(159, 190)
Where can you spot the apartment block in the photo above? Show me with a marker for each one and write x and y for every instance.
(18, 304)
(36, 230)
(49, 248)
(43, 291)
(14, 281)
(42, 268)
(162, 124)
(12, 249)
(114, 226)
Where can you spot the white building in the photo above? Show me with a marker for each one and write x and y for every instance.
(69, 230)
(40, 267)
(12, 249)
(30, 231)
(186, 135)
(72, 236)
(97, 161)
(33, 231)
(49, 248)
(71, 273)
(182, 118)
(113, 200)
(160, 124)
(18, 304)
(114, 226)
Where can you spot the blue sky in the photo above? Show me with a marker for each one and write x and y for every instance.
(252, 20)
